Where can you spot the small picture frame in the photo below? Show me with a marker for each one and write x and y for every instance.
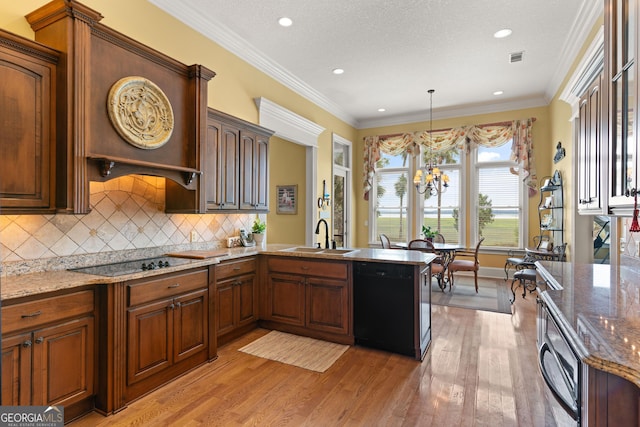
(287, 203)
(548, 202)
(547, 221)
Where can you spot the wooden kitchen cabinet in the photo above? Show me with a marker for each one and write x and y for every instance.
(621, 74)
(590, 151)
(167, 328)
(27, 160)
(48, 352)
(236, 298)
(311, 297)
(235, 175)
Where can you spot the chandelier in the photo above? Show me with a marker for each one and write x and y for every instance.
(429, 178)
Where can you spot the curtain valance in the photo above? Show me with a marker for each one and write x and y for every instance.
(495, 135)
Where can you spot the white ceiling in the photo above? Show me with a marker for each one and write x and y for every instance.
(394, 51)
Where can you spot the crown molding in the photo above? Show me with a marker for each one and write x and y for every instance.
(225, 37)
(589, 13)
(287, 124)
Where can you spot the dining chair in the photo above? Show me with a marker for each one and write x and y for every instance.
(386, 243)
(438, 238)
(437, 267)
(521, 262)
(471, 264)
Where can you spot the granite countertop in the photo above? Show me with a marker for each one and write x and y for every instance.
(598, 310)
(29, 284)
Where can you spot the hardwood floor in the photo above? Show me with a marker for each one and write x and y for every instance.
(481, 369)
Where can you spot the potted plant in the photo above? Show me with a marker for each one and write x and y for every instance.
(257, 230)
(428, 233)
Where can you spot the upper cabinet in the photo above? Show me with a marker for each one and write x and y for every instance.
(621, 74)
(235, 169)
(27, 125)
(590, 155)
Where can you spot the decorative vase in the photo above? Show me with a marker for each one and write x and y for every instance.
(259, 239)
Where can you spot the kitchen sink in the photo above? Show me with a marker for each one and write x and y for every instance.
(309, 250)
(305, 249)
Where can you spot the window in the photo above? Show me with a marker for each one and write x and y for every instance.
(390, 201)
(498, 198)
(441, 211)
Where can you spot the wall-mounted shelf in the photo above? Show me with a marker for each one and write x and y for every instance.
(551, 208)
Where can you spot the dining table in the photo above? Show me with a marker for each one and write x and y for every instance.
(446, 252)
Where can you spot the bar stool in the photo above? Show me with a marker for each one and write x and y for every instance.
(527, 278)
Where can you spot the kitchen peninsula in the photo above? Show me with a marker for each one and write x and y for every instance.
(597, 310)
(139, 330)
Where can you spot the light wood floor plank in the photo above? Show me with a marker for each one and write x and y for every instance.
(481, 370)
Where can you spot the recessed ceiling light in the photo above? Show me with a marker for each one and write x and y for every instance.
(381, 110)
(285, 22)
(338, 71)
(506, 32)
(498, 92)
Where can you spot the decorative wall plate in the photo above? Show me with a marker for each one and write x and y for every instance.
(140, 112)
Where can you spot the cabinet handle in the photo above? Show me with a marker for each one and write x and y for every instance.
(177, 285)
(35, 314)
(236, 268)
(27, 343)
(304, 267)
(39, 340)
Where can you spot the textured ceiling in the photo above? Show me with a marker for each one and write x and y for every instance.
(393, 52)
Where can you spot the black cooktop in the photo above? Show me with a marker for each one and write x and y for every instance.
(128, 267)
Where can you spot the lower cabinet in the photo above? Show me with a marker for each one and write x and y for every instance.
(236, 298)
(167, 328)
(48, 352)
(310, 297)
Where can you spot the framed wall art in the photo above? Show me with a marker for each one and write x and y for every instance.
(287, 203)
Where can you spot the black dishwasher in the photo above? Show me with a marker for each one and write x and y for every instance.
(384, 314)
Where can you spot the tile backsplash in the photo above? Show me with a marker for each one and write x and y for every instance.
(127, 214)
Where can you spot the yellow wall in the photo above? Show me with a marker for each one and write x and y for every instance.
(237, 84)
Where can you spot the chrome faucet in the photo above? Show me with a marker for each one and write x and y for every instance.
(326, 232)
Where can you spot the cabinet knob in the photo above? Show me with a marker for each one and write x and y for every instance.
(27, 343)
(172, 306)
(39, 340)
(178, 304)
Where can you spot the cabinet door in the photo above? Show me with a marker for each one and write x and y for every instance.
(590, 151)
(16, 370)
(247, 171)
(327, 305)
(63, 363)
(26, 127)
(222, 161)
(620, 53)
(285, 299)
(191, 328)
(254, 176)
(149, 345)
(225, 306)
(261, 173)
(246, 300)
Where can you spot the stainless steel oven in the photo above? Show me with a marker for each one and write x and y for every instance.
(560, 366)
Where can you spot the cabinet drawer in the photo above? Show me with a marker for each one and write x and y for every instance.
(235, 268)
(46, 310)
(145, 290)
(334, 270)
